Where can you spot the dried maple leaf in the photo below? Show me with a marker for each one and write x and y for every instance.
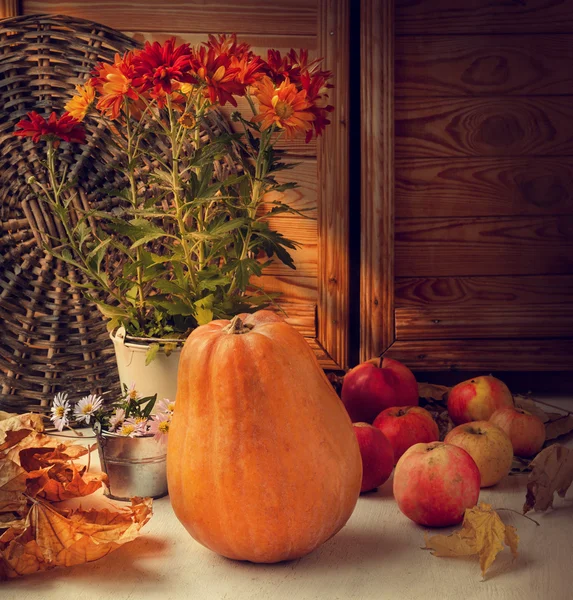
(530, 405)
(30, 421)
(65, 479)
(15, 482)
(551, 471)
(50, 538)
(482, 533)
(433, 392)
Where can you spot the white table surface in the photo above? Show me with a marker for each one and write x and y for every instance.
(377, 555)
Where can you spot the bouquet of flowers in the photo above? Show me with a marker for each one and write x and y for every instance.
(129, 415)
(190, 223)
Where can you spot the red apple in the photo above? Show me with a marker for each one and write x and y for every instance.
(372, 386)
(405, 426)
(526, 431)
(377, 456)
(435, 483)
(488, 445)
(477, 399)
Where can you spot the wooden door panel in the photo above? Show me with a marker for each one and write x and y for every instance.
(434, 187)
(482, 65)
(504, 126)
(484, 246)
(483, 16)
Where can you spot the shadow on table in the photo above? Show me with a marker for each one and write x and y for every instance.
(126, 565)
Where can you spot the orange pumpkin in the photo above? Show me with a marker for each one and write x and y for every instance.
(262, 463)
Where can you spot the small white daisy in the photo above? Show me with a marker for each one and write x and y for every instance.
(159, 426)
(116, 420)
(60, 410)
(86, 407)
(166, 406)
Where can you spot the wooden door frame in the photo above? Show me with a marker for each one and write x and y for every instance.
(331, 343)
(377, 329)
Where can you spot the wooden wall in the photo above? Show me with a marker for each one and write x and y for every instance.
(315, 295)
(484, 183)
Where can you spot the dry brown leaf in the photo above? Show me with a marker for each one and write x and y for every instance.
(6, 415)
(551, 471)
(30, 421)
(433, 392)
(482, 533)
(558, 425)
(50, 538)
(66, 480)
(15, 482)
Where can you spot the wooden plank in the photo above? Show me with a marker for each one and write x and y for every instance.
(245, 17)
(484, 246)
(437, 65)
(9, 8)
(333, 266)
(377, 178)
(483, 322)
(305, 196)
(293, 287)
(475, 292)
(484, 356)
(324, 359)
(484, 16)
(451, 127)
(300, 316)
(484, 187)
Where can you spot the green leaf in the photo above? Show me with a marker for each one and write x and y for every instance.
(223, 227)
(151, 352)
(204, 310)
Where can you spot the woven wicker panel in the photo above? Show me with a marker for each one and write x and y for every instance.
(51, 338)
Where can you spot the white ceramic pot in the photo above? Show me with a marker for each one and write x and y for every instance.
(158, 377)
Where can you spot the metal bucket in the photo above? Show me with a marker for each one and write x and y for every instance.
(134, 466)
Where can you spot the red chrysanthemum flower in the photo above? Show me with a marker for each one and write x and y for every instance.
(55, 129)
(160, 67)
(217, 73)
(316, 87)
(224, 44)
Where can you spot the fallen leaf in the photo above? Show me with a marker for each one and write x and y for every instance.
(30, 421)
(482, 533)
(433, 392)
(15, 483)
(50, 538)
(520, 465)
(558, 425)
(551, 471)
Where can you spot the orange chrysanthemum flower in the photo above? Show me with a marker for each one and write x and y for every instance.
(81, 102)
(115, 83)
(284, 106)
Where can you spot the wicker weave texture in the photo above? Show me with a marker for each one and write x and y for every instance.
(51, 338)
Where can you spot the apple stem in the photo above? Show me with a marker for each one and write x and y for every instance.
(520, 514)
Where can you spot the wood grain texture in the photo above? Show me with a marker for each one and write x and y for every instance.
(9, 8)
(377, 191)
(333, 207)
(485, 355)
(294, 287)
(484, 16)
(470, 65)
(476, 292)
(248, 16)
(505, 126)
(483, 322)
(484, 246)
(484, 187)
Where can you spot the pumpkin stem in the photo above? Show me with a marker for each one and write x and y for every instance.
(236, 326)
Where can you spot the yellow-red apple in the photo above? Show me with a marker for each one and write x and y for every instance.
(377, 456)
(374, 385)
(477, 399)
(405, 426)
(488, 445)
(435, 483)
(526, 431)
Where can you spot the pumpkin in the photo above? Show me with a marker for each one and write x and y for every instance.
(262, 461)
